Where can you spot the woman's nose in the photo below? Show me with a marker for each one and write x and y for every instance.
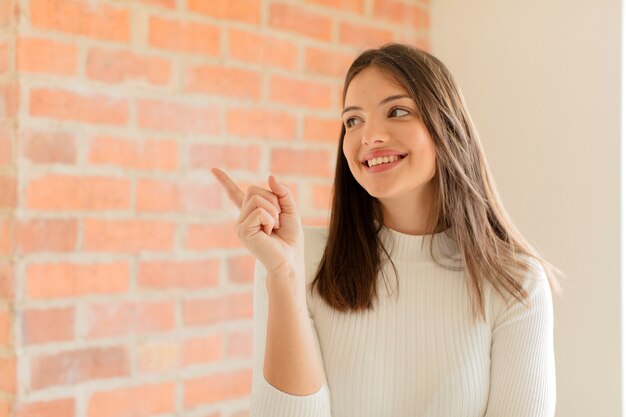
(373, 132)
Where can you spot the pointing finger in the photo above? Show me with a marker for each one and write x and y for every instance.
(234, 192)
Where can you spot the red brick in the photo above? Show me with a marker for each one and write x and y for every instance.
(322, 196)
(120, 65)
(6, 407)
(239, 344)
(46, 56)
(129, 318)
(9, 100)
(302, 93)
(184, 36)
(168, 4)
(128, 235)
(240, 269)
(157, 356)
(46, 235)
(339, 99)
(67, 105)
(5, 328)
(216, 388)
(322, 129)
(412, 16)
(8, 376)
(7, 236)
(214, 236)
(354, 6)
(64, 192)
(363, 36)
(265, 50)
(260, 123)
(248, 11)
(322, 61)
(9, 12)
(162, 196)
(85, 18)
(6, 145)
(205, 156)
(298, 20)
(302, 162)
(217, 309)
(157, 115)
(226, 81)
(145, 400)
(53, 408)
(61, 280)
(203, 350)
(419, 40)
(8, 197)
(73, 367)
(6, 280)
(49, 147)
(148, 155)
(176, 196)
(188, 275)
(48, 325)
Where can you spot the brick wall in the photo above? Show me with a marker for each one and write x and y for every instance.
(124, 291)
(8, 205)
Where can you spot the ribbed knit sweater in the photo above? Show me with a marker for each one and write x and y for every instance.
(417, 353)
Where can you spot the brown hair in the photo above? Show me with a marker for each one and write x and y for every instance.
(466, 204)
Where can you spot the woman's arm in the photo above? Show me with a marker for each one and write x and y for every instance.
(288, 375)
(523, 381)
(292, 364)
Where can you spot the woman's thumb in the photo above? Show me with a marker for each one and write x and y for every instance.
(285, 198)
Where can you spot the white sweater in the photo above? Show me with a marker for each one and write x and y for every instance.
(419, 355)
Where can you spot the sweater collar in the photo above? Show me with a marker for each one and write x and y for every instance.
(416, 248)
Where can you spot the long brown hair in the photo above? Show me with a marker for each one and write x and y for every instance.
(466, 203)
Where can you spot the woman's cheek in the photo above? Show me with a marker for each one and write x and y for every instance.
(348, 150)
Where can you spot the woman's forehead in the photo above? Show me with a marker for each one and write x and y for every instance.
(373, 83)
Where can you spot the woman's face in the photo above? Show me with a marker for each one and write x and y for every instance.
(375, 118)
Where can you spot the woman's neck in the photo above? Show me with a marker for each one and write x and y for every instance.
(408, 214)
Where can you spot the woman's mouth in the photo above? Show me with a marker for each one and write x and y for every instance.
(385, 166)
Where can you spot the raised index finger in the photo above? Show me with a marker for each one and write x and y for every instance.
(234, 193)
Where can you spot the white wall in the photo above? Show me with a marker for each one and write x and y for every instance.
(542, 82)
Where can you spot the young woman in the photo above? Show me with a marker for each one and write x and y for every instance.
(468, 328)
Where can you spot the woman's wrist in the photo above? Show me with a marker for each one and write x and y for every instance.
(287, 282)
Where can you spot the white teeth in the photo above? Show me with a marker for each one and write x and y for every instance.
(382, 160)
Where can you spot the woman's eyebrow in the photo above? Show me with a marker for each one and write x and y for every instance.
(387, 100)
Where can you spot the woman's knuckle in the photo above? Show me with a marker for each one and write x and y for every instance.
(256, 198)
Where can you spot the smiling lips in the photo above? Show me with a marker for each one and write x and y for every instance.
(379, 154)
(382, 167)
(382, 160)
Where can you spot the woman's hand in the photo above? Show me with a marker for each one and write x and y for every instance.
(269, 224)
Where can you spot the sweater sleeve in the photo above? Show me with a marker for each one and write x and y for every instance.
(266, 400)
(523, 380)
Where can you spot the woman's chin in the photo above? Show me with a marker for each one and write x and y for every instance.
(380, 192)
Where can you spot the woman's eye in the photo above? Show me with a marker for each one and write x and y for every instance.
(349, 122)
(398, 109)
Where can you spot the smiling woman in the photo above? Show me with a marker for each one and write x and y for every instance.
(470, 329)
(385, 123)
